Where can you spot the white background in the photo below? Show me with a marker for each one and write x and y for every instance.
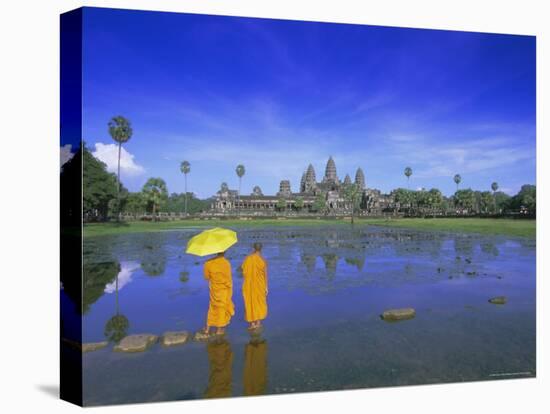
(29, 159)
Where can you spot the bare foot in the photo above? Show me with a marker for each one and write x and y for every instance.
(220, 331)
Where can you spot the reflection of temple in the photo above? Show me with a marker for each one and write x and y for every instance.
(328, 193)
(331, 261)
(220, 358)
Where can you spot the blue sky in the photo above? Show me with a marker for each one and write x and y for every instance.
(276, 95)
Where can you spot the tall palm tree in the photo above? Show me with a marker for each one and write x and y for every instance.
(408, 173)
(121, 131)
(185, 168)
(457, 179)
(240, 172)
(494, 187)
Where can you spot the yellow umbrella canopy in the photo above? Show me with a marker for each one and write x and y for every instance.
(211, 241)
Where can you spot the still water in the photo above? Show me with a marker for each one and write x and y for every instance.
(328, 287)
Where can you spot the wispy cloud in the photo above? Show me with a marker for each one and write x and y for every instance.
(451, 156)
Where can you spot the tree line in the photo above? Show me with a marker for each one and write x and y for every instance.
(463, 201)
(104, 195)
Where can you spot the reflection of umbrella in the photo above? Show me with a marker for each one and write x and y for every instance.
(211, 241)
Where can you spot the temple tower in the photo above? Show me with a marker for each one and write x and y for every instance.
(257, 191)
(330, 172)
(284, 188)
(310, 181)
(347, 180)
(360, 178)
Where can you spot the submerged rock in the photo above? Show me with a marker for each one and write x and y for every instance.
(175, 338)
(184, 276)
(136, 343)
(94, 346)
(398, 314)
(498, 300)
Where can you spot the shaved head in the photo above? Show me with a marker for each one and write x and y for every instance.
(257, 247)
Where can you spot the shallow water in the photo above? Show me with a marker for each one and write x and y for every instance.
(328, 287)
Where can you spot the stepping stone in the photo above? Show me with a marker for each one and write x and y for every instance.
(174, 338)
(201, 336)
(136, 343)
(398, 314)
(256, 331)
(498, 300)
(94, 346)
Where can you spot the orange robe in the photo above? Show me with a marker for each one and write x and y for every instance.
(255, 287)
(218, 273)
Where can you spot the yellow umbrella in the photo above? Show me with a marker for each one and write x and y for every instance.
(211, 241)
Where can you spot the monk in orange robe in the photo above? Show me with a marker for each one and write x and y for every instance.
(218, 273)
(255, 287)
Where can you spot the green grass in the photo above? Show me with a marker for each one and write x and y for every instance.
(510, 227)
(101, 229)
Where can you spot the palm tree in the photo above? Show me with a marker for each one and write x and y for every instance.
(240, 172)
(121, 131)
(155, 192)
(494, 187)
(185, 168)
(457, 179)
(408, 173)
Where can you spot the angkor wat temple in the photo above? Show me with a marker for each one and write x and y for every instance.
(328, 193)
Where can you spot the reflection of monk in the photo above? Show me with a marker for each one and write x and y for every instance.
(255, 287)
(220, 358)
(255, 368)
(218, 273)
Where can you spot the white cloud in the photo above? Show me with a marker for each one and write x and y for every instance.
(124, 276)
(66, 154)
(108, 153)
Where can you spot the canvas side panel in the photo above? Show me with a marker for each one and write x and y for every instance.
(71, 207)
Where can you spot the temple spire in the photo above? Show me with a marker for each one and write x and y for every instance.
(330, 171)
(310, 181)
(360, 178)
